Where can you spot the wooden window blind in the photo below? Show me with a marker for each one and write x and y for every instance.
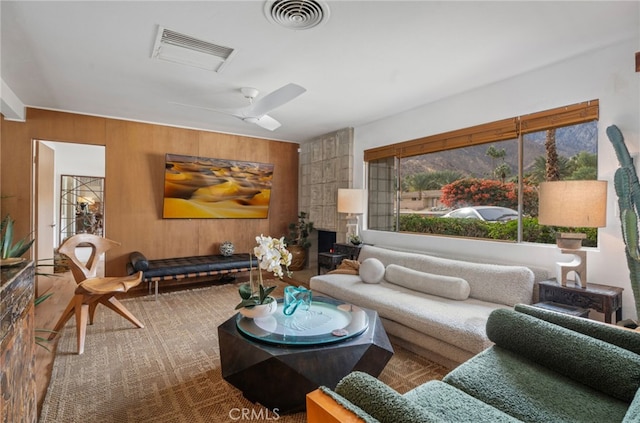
(489, 132)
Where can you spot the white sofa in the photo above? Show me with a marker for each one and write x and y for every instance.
(434, 306)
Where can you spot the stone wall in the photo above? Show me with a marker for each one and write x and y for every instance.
(326, 164)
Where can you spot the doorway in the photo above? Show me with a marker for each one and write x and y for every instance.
(54, 159)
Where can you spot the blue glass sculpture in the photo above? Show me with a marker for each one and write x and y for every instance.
(295, 297)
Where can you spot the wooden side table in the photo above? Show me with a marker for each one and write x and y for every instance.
(329, 261)
(603, 298)
(349, 250)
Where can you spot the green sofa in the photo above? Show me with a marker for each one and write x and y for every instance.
(544, 367)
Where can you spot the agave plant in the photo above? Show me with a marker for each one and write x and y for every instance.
(7, 248)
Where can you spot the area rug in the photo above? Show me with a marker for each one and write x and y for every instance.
(169, 371)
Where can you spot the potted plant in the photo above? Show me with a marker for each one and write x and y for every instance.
(9, 250)
(355, 239)
(298, 240)
(272, 256)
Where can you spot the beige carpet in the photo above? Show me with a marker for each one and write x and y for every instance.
(170, 370)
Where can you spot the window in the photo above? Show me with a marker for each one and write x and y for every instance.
(483, 181)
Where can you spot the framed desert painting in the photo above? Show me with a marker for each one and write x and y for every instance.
(209, 188)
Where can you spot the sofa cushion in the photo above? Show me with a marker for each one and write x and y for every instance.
(595, 363)
(458, 323)
(454, 405)
(440, 285)
(494, 283)
(531, 392)
(371, 270)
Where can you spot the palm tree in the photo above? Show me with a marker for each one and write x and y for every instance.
(539, 168)
(584, 165)
(430, 181)
(502, 168)
(444, 177)
(420, 182)
(552, 170)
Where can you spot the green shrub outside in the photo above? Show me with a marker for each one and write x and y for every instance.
(476, 228)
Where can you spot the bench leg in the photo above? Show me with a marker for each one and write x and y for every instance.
(156, 290)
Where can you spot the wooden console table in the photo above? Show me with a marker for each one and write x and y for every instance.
(17, 344)
(603, 298)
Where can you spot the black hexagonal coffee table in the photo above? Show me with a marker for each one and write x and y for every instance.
(276, 361)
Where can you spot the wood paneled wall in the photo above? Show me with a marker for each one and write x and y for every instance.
(134, 182)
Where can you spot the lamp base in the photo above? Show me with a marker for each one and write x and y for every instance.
(352, 226)
(570, 240)
(578, 265)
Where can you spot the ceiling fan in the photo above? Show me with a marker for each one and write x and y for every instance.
(256, 111)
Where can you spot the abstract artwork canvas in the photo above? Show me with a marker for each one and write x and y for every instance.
(206, 188)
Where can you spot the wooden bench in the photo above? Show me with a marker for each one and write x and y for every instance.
(178, 268)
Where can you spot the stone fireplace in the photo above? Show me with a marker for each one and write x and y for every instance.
(326, 239)
(326, 164)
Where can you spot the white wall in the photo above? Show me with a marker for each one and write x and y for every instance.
(606, 74)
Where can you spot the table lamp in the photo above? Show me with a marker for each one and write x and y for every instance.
(576, 204)
(351, 201)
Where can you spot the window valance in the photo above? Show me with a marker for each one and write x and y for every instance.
(489, 132)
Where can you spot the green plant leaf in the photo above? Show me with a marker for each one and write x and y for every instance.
(251, 302)
(266, 292)
(245, 291)
(7, 236)
(42, 298)
(8, 249)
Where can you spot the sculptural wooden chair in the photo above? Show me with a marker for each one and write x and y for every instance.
(92, 289)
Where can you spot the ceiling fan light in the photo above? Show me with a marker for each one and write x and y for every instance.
(249, 92)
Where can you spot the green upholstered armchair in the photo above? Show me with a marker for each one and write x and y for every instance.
(544, 366)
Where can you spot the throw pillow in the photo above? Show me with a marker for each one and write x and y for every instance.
(428, 283)
(371, 271)
(347, 267)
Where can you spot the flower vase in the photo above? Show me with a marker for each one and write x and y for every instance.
(260, 310)
(298, 257)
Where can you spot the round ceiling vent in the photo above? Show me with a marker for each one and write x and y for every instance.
(297, 14)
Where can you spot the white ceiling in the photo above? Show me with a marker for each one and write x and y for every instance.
(371, 59)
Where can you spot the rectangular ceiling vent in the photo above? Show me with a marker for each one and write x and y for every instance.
(180, 48)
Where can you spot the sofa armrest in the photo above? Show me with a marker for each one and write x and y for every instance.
(612, 334)
(633, 413)
(381, 401)
(322, 407)
(605, 367)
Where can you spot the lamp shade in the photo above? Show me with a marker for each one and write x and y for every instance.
(351, 200)
(575, 204)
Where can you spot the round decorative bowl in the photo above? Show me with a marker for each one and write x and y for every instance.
(227, 248)
(261, 310)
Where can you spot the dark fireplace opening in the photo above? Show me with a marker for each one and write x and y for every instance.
(326, 239)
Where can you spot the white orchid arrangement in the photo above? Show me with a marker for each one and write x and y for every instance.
(273, 256)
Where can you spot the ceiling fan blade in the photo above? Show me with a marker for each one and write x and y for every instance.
(275, 99)
(264, 121)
